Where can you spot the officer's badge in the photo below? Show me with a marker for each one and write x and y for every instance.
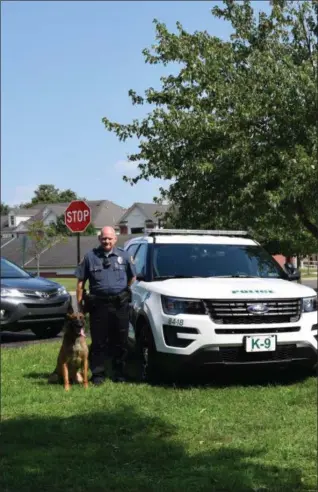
(120, 260)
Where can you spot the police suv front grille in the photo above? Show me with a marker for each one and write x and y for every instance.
(48, 294)
(239, 355)
(229, 312)
(254, 331)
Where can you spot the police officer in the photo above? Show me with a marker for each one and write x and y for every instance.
(110, 272)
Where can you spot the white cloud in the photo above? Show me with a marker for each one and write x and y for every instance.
(126, 167)
(22, 194)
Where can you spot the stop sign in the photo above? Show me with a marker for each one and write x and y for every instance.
(77, 216)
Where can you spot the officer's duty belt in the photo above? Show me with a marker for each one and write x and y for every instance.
(110, 297)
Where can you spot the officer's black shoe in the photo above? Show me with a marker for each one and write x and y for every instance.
(97, 380)
(118, 371)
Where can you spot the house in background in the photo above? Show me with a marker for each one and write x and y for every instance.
(140, 216)
(11, 222)
(18, 220)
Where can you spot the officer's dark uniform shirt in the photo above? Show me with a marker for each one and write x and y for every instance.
(103, 279)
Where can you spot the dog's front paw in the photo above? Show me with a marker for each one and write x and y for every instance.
(67, 387)
(85, 384)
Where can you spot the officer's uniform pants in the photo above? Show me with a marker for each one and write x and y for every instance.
(109, 324)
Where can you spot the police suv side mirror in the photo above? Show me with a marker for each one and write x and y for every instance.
(292, 272)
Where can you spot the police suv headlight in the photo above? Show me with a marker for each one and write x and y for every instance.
(176, 305)
(309, 304)
(62, 291)
(11, 293)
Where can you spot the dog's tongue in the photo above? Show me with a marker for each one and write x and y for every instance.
(83, 332)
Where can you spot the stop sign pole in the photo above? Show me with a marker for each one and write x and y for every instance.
(77, 218)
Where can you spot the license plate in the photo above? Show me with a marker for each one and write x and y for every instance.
(262, 343)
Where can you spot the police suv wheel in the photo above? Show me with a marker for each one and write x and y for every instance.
(147, 355)
(45, 331)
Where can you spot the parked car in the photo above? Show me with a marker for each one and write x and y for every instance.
(29, 302)
(217, 298)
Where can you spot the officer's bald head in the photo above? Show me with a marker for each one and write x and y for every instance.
(108, 238)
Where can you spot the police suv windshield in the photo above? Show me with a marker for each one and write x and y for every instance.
(213, 260)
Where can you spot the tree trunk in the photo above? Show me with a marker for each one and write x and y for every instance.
(310, 226)
(38, 265)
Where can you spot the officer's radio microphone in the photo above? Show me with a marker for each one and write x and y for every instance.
(106, 263)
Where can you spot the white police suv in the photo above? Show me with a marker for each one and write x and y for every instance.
(216, 297)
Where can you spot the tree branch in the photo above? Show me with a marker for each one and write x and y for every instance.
(312, 228)
(302, 20)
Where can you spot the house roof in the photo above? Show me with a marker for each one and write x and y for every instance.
(104, 212)
(60, 255)
(25, 212)
(152, 211)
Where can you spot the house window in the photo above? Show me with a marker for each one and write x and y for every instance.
(12, 221)
(137, 230)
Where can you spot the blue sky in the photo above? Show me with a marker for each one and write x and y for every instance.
(65, 65)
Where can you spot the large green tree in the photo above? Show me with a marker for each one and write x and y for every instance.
(48, 193)
(235, 128)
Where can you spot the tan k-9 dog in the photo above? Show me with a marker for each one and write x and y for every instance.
(72, 361)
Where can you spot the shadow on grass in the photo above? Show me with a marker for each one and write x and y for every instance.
(215, 378)
(38, 375)
(125, 450)
(226, 377)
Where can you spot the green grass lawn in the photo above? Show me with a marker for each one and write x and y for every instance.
(311, 273)
(69, 283)
(242, 437)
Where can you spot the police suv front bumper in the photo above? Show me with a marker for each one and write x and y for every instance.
(196, 340)
(285, 354)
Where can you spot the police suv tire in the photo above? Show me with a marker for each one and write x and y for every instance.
(151, 371)
(46, 331)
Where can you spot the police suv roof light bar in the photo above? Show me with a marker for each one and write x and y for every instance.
(182, 232)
